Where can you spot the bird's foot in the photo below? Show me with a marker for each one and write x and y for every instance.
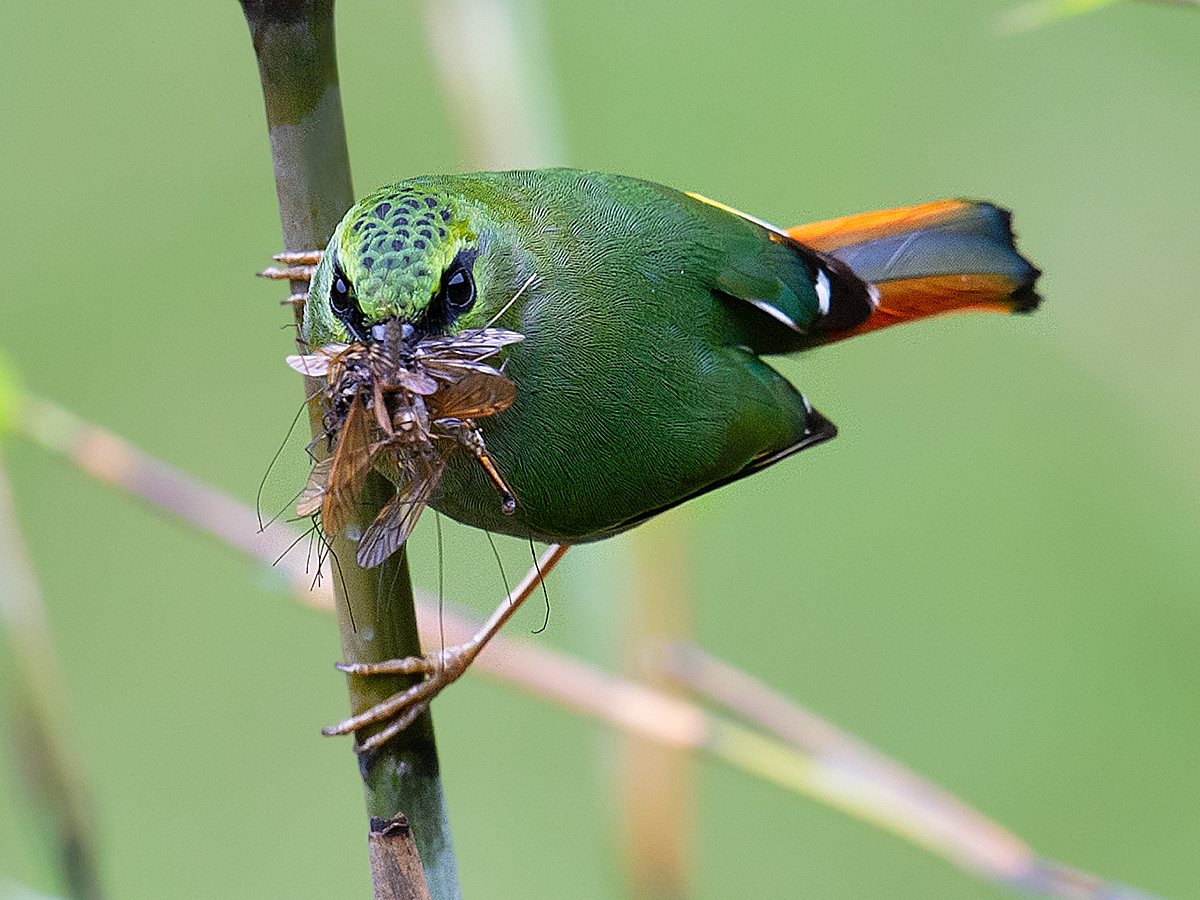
(440, 669)
(298, 265)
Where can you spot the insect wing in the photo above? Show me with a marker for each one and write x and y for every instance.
(469, 344)
(348, 471)
(399, 515)
(313, 364)
(456, 354)
(415, 382)
(313, 494)
(450, 369)
(474, 396)
(316, 364)
(382, 419)
(486, 341)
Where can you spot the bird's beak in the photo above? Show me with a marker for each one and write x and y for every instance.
(394, 334)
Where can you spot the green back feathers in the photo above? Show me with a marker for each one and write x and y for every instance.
(589, 232)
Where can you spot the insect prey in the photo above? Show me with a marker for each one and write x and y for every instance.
(401, 406)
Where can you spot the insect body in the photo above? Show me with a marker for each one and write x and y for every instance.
(401, 411)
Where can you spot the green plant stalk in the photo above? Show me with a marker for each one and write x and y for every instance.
(32, 721)
(294, 45)
(655, 780)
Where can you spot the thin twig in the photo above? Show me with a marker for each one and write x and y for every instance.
(813, 758)
(847, 774)
(114, 460)
(886, 792)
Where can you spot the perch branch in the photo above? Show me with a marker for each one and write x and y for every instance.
(294, 46)
(802, 752)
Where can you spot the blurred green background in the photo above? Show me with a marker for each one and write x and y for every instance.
(991, 575)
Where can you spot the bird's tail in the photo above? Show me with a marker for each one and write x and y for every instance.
(928, 260)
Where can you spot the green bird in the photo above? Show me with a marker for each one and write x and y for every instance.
(640, 380)
(646, 314)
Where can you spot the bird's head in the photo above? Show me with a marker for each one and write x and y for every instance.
(404, 255)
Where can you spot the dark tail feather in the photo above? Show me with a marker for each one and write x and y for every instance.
(928, 260)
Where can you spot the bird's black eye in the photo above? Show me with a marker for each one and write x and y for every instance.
(339, 293)
(458, 287)
(344, 306)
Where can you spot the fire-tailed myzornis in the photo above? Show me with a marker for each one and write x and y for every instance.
(646, 313)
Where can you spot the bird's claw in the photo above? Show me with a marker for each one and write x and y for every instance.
(298, 265)
(411, 665)
(441, 670)
(298, 257)
(288, 273)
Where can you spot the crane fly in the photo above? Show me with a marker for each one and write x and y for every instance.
(401, 411)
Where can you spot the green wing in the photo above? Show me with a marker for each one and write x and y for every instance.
(782, 294)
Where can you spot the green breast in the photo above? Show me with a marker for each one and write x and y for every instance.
(636, 384)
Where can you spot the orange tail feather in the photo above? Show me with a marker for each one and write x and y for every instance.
(928, 260)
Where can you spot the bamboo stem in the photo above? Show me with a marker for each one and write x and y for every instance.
(294, 45)
(394, 861)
